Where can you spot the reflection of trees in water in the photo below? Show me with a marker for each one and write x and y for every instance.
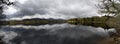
(103, 25)
(58, 36)
(1, 41)
(69, 35)
(42, 37)
(115, 36)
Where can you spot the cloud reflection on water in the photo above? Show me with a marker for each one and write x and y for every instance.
(55, 34)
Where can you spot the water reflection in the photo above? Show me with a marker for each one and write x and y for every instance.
(54, 34)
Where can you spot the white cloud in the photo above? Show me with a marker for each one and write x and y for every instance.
(12, 0)
(22, 1)
(10, 10)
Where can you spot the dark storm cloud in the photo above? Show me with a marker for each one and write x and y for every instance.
(31, 7)
(27, 11)
(56, 8)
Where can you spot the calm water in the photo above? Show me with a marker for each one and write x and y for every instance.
(54, 34)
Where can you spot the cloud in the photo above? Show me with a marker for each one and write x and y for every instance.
(64, 9)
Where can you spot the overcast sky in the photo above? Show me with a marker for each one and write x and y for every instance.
(57, 9)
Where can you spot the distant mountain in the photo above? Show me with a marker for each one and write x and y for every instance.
(50, 19)
(34, 21)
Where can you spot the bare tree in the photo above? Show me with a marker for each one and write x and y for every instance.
(110, 7)
(2, 4)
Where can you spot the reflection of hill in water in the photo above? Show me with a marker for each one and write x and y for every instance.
(54, 34)
(103, 25)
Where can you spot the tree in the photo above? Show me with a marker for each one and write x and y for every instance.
(2, 4)
(110, 7)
